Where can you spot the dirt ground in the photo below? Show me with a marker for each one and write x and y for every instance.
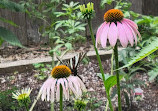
(88, 73)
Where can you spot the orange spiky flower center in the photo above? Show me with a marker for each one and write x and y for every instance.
(113, 15)
(61, 71)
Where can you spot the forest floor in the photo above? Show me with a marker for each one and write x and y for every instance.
(88, 73)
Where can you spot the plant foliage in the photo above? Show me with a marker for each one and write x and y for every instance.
(6, 35)
(147, 50)
(9, 37)
(13, 6)
(110, 80)
(153, 74)
(7, 103)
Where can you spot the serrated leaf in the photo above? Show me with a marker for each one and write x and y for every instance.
(147, 50)
(9, 37)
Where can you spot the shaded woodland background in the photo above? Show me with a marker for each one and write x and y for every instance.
(27, 32)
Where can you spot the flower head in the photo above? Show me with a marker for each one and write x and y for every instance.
(87, 11)
(22, 94)
(61, 75)
(117, 27)
(61, 71)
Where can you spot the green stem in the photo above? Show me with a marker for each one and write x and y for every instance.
(117, 74)
(52, 106)
(35, 101)
(26, 106)
(61, 98)
(99, 60)
(112, 58)
(112, 67)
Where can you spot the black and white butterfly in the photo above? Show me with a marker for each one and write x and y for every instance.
(74, 62)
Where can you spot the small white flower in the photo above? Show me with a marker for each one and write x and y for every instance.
(22, 94)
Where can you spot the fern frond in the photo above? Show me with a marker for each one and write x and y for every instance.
(147, 50)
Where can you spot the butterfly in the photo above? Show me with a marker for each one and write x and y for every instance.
(74, 62)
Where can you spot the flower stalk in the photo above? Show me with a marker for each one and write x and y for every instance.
(117, 75)
(112, 58)
(99, 60)
(61, 98)
(26, 106)
(52, 106)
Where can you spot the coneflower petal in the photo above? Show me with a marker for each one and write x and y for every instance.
(99, 31)
(128, 33)
(134, 27)
(134, 34)
(53, 90)
(131, 23)
(48, 93)
(66, 89)
(58, 91)
(122, 35)
(104, 35)
(43, 97)
(78, 85)
(72, 87)
(113, 34)
(63, 86)
(81, 83)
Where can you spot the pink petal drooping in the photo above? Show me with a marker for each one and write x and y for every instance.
(113, 34)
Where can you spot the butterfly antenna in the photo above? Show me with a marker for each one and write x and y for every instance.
(60, 60)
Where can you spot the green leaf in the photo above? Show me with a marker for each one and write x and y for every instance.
(58, 41)
(147, 50)
(103, 2)
(68, 46)
(105, 75)
(9, 37)
(110, 81)
(13, 6)
(8, 21)
(56, 49)
(59, 24)
(38, 65)
(1, 41)
(153, 74)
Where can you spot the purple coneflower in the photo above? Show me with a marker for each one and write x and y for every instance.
(117, 27)
(61, 75)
